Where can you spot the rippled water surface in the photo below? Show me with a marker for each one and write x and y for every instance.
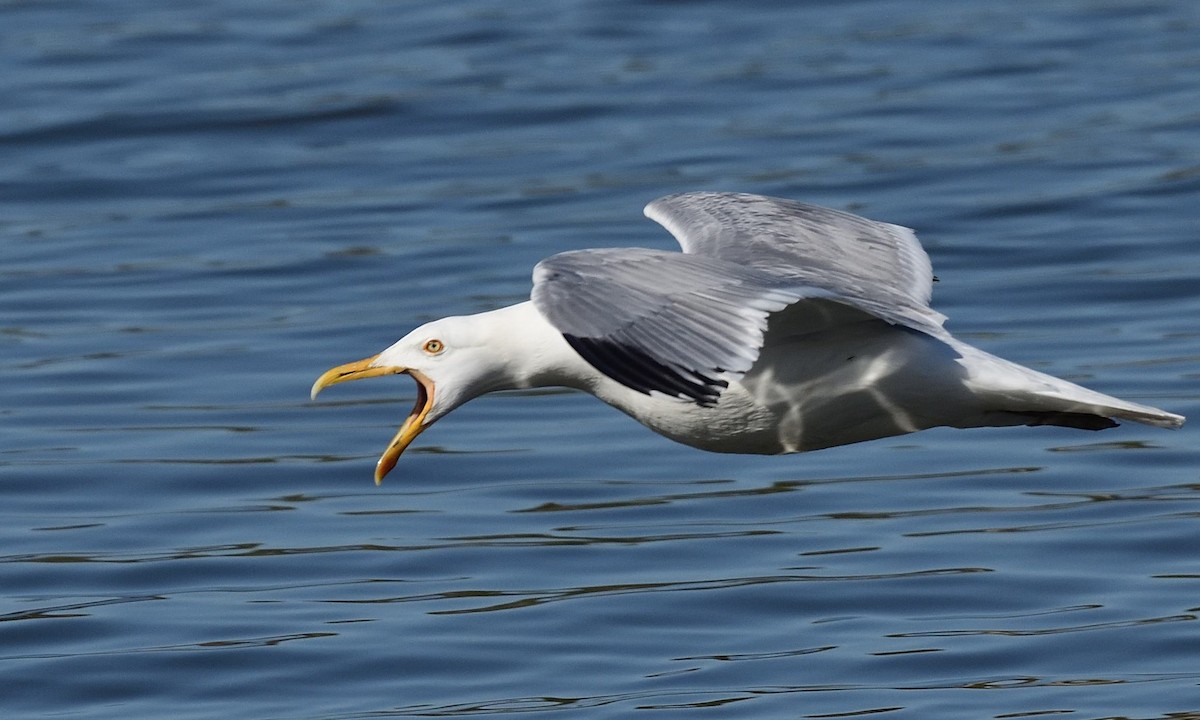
(204, 206)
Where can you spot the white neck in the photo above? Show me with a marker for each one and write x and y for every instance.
(530, 352)
(526, 351)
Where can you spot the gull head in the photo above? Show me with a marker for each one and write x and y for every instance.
(450, 362)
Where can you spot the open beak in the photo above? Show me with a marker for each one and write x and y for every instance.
(413, 424)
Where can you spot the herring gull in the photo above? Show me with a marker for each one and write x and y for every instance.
(782, 327)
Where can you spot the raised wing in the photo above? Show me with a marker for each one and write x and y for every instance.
(682, 325)
(686, 324)
(877, 267)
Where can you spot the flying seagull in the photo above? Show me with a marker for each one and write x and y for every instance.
(782, 327)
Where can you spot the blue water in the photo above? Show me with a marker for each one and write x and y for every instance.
(204, 206)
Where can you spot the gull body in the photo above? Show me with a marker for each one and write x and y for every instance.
(782, 327)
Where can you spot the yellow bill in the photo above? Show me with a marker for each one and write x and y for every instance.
(413, 425)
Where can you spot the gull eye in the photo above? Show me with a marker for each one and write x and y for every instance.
(433, 347)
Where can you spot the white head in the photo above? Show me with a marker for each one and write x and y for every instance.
(456, 359)
(453, 360)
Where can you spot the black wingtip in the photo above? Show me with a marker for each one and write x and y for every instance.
(637, 370)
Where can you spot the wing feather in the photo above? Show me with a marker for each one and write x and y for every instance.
(878, 267)
(686, 324)
(659, 321)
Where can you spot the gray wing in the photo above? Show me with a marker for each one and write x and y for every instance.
(682, 325)
(876, 267)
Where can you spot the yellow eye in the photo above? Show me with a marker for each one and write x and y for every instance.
(433, 347)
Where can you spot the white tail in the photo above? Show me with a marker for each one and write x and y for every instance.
(1006, 387)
